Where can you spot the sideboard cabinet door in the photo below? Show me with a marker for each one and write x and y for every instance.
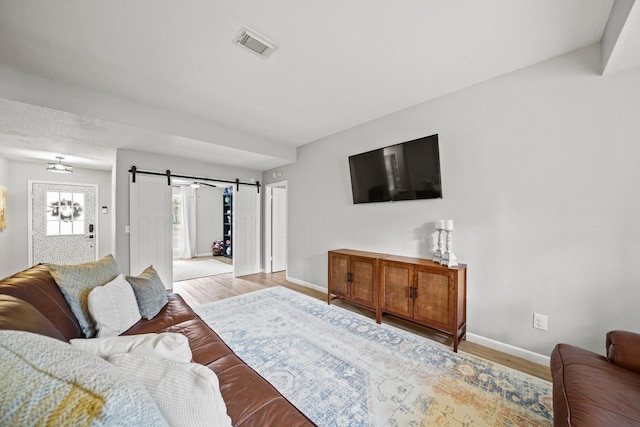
(434, 299)
(339, 275)
(363, 281)
(353, 278)
(395, 284)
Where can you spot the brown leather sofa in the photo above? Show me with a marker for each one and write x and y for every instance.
(593, 390)
(31, 301)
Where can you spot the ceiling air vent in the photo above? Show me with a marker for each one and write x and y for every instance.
(254, 42)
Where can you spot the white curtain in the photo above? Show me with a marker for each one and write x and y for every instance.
(188, 247)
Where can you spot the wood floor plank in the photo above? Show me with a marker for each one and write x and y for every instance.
(214, 288)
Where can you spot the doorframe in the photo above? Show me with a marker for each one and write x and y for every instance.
(96, 221)
(268, 223)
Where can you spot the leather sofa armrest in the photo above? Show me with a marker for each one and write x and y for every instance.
(623, 349)
(19, 315)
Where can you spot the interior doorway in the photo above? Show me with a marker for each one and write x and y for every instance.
(151, 227)
(197, 210)
(276, 226)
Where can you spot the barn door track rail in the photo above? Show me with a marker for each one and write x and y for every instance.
(134, 171)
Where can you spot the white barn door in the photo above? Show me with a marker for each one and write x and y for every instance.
(246, 231)
(150, 240)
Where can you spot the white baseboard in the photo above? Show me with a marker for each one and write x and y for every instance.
(510, 349)
(487, 342)
(305, 284)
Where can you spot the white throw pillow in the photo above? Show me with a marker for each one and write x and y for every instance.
(188, 394)
(167, 345)
(113, 307)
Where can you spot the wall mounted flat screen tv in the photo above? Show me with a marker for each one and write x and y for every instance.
(406, 171)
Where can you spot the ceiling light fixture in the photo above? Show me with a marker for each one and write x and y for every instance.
(59, 167)
(194, 185)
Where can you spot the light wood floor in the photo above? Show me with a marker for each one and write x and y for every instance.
(201, 291)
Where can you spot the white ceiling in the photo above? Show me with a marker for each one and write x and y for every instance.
(81, 78)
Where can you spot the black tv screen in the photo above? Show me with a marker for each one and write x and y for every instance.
(406, 171)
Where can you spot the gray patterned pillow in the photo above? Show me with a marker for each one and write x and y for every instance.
(76, 281)
(52, 383)
(150, 292)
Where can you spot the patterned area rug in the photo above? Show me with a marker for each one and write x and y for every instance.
(196, 268)
(343, 369)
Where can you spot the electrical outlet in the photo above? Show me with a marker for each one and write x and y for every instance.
(540, 321)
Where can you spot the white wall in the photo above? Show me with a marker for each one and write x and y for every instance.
(208, 217)
(159, 163)
(540, 174)
(19, 173)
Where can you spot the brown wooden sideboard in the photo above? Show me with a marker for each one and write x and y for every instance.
(415, 289)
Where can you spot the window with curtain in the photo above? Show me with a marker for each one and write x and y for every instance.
(184, 222)
(176, 209)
